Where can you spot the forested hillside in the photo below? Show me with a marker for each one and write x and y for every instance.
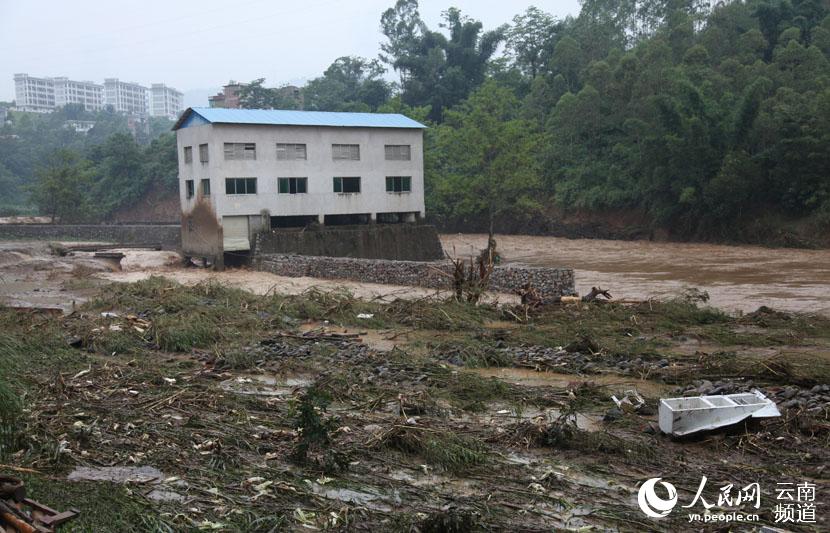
(47, 167)
(694, 119)
(702, 120)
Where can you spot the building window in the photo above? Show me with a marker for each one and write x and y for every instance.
(188, 189)
(345, 152)
(240, 151)
(291, 152)
(205, 187)
(240, 185)
(292, 185)
(346, 185)
(398, 152)
(398, 184)
(203, 153)
(188, 154)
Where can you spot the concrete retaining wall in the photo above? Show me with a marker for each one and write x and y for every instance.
(551, 282)
(402, 242)
(168, 236)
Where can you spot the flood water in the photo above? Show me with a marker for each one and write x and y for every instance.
(737, 278)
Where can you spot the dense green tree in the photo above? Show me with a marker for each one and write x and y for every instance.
(531, 39)
(482, 161)
(349, 84)
(436, 69)
(254, 95)
(118, 165)
(62, 187)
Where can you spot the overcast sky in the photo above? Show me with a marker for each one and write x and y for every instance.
(195, 45)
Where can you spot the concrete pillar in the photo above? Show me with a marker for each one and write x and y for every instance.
(321, 219)
(410, 217)
(373, 218)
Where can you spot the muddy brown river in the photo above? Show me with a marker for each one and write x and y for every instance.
(737, 278)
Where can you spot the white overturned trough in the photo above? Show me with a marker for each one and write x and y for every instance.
(684, 416)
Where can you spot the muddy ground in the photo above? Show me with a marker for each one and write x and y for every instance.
(156, 406)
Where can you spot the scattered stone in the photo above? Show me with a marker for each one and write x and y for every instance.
(163, 495)
(116, 474)
(816, 398)
(612, 414)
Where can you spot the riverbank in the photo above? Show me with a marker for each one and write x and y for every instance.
(772, 231)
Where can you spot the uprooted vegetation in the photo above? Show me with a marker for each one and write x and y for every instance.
(258, 424)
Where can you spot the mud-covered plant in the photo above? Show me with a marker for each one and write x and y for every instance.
(451, 520)
(315, 430)
(9, 418)
(442, 449)
(10, 408)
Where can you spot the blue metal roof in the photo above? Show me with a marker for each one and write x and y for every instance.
(277, 117)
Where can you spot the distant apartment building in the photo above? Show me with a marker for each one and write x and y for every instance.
(165, 101)
(79, 126)
(86, 93)
(228, 98)
(34, 94)
(126, 97)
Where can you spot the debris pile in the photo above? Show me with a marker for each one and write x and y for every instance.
(814, 400)
(568, 360)
(23, 515)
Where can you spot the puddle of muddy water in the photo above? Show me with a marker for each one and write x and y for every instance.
(380, 340)
(499, 414)
(364, 498)
(117, 474)
(614, 383)
(264, 385)
(143, 475)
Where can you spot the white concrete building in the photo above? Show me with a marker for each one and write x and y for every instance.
(165, 101)
(126, 97)
(260, 168)
(79, 126)
(86, 93)
(34, 94)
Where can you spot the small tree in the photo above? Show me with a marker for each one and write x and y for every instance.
(62, 187)
(483, 161)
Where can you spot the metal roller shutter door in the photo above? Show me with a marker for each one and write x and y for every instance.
(235, 231)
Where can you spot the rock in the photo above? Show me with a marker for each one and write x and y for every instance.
(646, 410)
(612, 414)
(787, 393)
(790, 404)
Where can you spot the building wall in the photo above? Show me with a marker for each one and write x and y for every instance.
(34, 94)
(86, 93)
(319, 168)
(126, 97)
(402, 242)
(165, 101)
